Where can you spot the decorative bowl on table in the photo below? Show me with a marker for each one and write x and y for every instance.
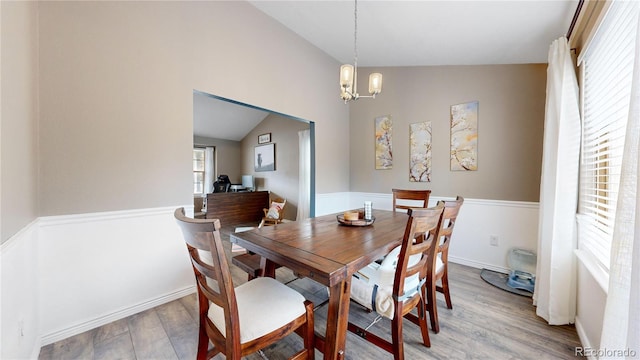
(354, 218)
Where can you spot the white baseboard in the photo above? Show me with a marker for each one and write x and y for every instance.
(582, 334)
(116, 315)
(478, 264)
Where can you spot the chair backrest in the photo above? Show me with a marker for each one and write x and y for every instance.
(413, 195)
(419, 246)
(451, 210)
(219, 187)
(213, 277)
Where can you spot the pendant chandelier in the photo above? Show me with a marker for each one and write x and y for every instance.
(349, 73)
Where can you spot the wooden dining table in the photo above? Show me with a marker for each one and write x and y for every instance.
(328, 252)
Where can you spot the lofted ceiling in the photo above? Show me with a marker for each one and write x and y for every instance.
(220, 119)
(420, 33)
(404, 33)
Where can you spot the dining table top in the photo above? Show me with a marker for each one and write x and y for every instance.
(328, 252)
(323, 249)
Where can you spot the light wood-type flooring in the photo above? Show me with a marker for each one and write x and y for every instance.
(485, 323)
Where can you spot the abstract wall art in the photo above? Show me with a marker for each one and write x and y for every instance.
(383, 137)
(420, 152)
(464, 137)
(265, 158)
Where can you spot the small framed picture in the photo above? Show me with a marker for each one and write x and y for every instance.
(264, 138)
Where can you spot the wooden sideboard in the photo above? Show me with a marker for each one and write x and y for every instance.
(237, 207)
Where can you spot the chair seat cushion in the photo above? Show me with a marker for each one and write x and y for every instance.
(264, 305)
(372, 287)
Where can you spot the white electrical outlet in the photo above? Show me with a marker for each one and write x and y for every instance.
(493, 240)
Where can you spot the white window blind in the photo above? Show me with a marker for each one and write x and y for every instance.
(607, 67)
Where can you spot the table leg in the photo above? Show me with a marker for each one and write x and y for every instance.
(337, 320)
(268, 267)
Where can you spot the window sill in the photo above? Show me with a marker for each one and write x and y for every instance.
(599, 273)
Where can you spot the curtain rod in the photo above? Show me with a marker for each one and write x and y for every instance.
(575, 18)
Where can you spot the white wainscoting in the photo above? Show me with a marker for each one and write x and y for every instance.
(64, 275)
(515, 223)
(98, 268)
(19, 309)
(592, 299)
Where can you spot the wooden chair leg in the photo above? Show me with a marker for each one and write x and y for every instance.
(424, 328)
(396, 337)
(431, 306)
(445, 289)
(309, 332)
(203, 342)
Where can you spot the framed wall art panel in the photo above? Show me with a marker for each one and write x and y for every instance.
(464, 137)
(420, 152)
(383, 137)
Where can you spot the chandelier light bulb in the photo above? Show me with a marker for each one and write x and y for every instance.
(346, 76)
(375, 83)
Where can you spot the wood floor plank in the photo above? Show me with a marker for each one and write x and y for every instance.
(110, 330)
(190, 302)
(46, 352)
(181, 328)
(485, 323)
(76, 347)
(150, 341)
(115, 347)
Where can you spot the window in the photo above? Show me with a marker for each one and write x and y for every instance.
(198, 171)
(606, 71)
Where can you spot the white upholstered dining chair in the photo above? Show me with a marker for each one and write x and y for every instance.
(398, 285)
(234, 319)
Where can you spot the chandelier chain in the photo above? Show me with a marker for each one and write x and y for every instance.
(355, 36)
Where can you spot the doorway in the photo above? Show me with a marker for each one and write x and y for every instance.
(235, 129)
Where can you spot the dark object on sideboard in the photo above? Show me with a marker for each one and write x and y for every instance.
(237, 207)
(222, 184)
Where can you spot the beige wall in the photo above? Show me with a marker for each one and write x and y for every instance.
(116, 96)
(510, 127)
(115, 89)
(19, 104)
(283, 182)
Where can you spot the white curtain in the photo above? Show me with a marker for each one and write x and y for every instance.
(555, 289)
(621, 325)
(208, 170)
(304, 174)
